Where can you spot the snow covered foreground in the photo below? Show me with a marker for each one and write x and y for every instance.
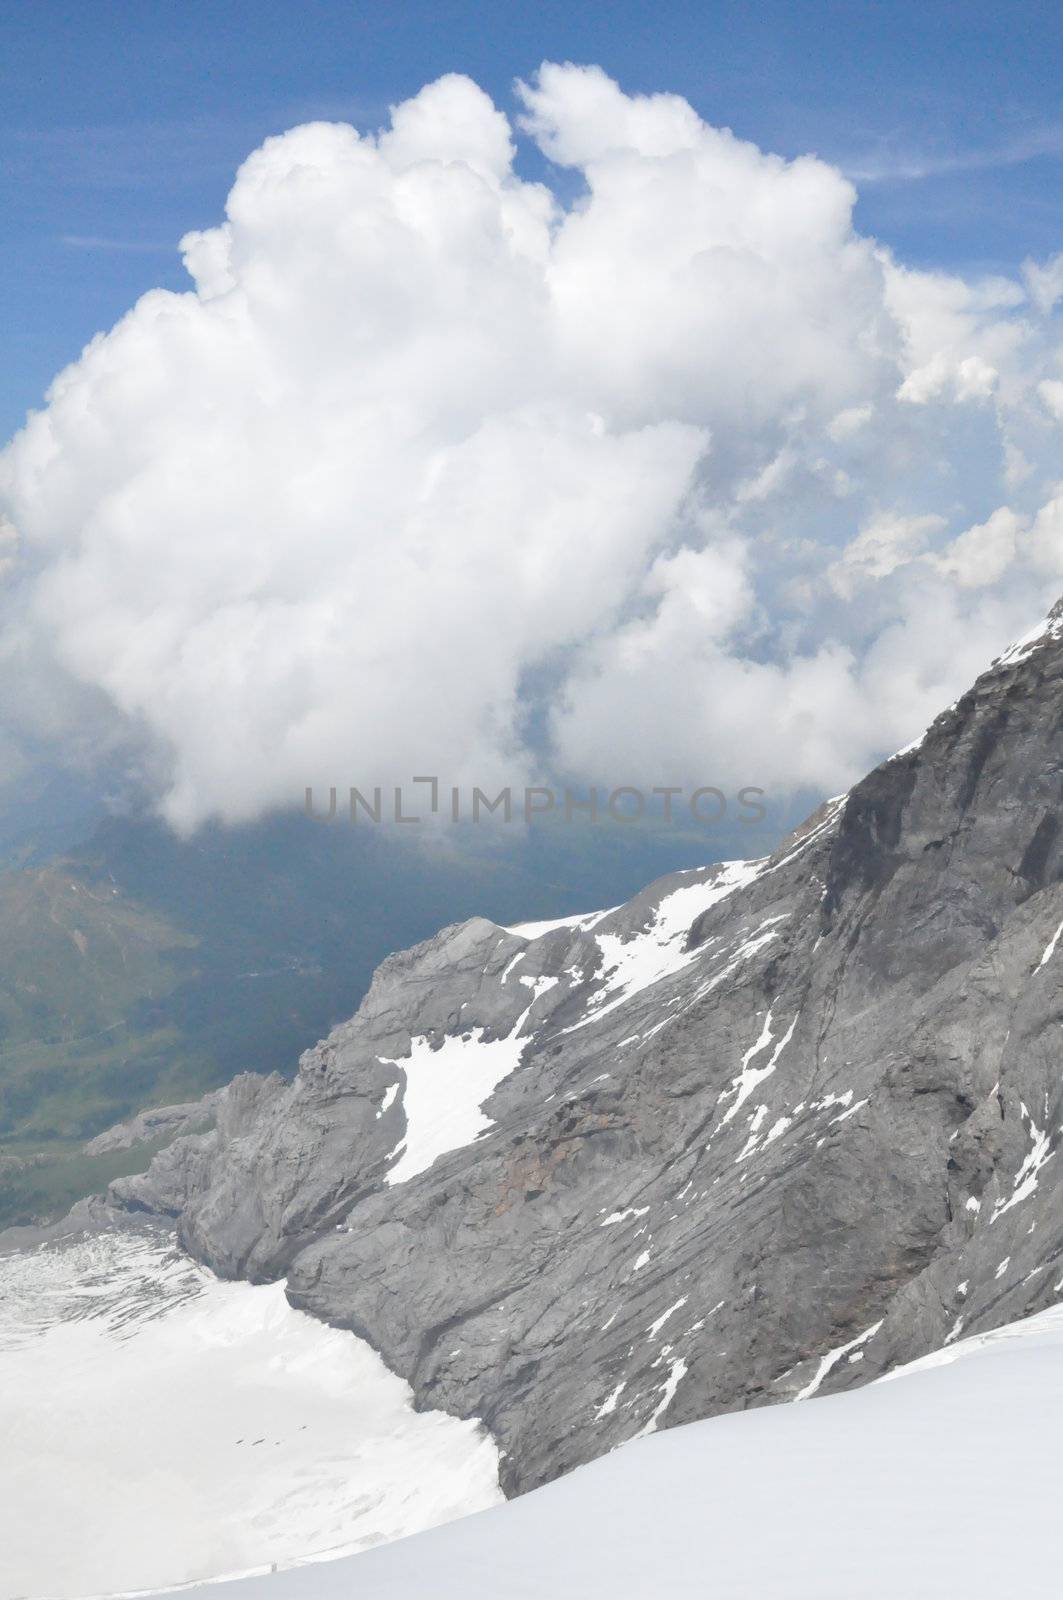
(158, 1427)
(944, 1482)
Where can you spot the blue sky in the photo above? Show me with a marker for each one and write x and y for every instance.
(122, 123)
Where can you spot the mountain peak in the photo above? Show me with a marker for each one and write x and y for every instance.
(1047, 631)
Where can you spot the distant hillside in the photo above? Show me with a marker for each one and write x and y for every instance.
(140, 969)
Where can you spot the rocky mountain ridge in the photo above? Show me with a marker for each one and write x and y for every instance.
(765, 1131)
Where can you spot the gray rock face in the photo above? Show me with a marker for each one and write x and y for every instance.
(764, 1131)
(158, 1122)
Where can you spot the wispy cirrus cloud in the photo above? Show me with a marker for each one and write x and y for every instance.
(93, 241)
(896, 165)
(179, 152)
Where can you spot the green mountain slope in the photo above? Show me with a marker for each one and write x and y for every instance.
(82, 968)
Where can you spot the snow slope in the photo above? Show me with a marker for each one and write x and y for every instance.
(160, 1426)
(444, 1091)
(945, 1481)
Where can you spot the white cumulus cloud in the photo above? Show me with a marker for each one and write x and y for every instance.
(433, 470)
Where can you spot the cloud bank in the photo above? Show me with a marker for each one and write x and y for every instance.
(662, 473)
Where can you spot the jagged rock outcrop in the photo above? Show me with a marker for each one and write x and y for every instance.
(156, 1123)
(768, 1129)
